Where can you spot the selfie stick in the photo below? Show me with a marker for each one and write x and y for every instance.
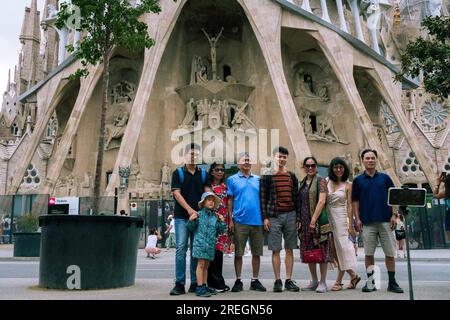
(404, 211)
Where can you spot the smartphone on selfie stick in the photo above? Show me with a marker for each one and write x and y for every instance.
(404, 197)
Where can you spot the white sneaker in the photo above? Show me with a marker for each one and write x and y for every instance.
(311, 286)
(322, 287)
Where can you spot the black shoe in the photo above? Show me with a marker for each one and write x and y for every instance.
(394, 287)
(177, 290)
(257, 286)
(192, 288)
(367, 289)
(238, 286)
(290, 285)
(278, 286)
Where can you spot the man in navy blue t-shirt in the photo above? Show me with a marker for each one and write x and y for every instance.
(187, 190)
(372, 213)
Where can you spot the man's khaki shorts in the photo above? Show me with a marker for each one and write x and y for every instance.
(242, 233)
(378, 230)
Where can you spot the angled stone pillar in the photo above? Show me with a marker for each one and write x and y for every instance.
(391, 93)
(54, 94)
(342, 22)
(306, 6)
(340, 56)
(160, 26)
(268, 34)
(86, 88)
(325, 15)
(355, 13)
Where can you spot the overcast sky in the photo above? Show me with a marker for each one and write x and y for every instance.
(11, 17)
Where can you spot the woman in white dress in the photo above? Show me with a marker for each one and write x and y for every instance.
(339, 214)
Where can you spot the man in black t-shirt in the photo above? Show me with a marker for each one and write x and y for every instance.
(188, 184)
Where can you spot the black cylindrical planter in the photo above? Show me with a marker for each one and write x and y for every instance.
(88, 252)
(27, 244)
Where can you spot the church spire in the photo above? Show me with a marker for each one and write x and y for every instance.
(30, 39)
(8, 86)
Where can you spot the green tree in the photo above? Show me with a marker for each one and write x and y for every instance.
(431, 55)
(105, 25)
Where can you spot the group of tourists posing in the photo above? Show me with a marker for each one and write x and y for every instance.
(318, 211)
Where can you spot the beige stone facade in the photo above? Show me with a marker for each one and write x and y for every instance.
(232, 65)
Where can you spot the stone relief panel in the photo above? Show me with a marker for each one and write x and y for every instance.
(141, 187)
(216, 114)
(316, 109)
(122, 95)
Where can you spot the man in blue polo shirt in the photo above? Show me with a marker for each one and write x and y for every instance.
(245, 220)
(374, 217)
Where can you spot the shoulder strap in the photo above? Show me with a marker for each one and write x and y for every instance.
(181, 174)
(203, 175)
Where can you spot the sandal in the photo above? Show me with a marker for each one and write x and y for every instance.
(337, 287)
(354, 282)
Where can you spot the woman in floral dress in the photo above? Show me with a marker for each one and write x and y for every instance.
(215, 276)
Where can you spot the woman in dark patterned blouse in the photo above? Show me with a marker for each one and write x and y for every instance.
(314, 231)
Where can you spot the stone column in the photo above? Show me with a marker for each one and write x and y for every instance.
(63, 35)
(342, 22)
(325, 16)
(355, 12)
(76, 39)
(306, 6)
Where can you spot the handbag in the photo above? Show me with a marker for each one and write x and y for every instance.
(313, 255)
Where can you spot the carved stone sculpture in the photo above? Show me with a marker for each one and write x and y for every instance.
(117, 128)
(213, 44)
(304, 87)
(123, 92)
(52, 12)
(190, 115)
(198, 70)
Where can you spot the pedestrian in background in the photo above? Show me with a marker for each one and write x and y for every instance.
(400, 236)
(444, 194)
(151, 248)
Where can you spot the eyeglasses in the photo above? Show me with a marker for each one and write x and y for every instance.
(310, 166)
(219, 170)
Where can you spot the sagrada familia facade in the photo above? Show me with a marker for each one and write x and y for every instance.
(319, 71)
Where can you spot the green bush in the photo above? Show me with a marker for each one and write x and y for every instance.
(28, 223)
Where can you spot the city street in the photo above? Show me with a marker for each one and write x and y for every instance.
(154, 278)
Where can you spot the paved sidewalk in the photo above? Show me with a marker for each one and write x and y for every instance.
(154, 279)
(442, 255)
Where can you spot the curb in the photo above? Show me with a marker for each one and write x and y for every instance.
(18, 259)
